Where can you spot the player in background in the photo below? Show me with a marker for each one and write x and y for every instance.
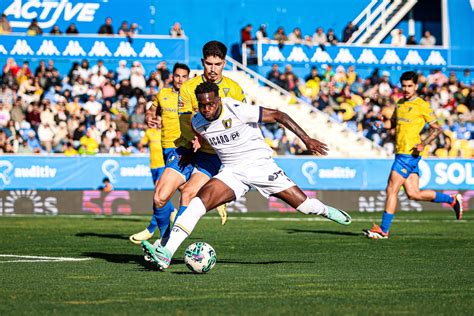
(409, 118)
(164, 112)
(231, 128)
(207, 163)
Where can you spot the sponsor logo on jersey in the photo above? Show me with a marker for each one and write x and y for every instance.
(223, 139)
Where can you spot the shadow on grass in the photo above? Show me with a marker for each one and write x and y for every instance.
(327, 232)
(120, 258)
(110, 236)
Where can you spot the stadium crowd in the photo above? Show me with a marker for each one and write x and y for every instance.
(358, 102)
(107, 29)
(320, 37)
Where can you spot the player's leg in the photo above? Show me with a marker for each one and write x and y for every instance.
(148, 232)
(395, 181)
(213, 193)
(297, 199)
(210, 165)
(412, 188)
(172, 177)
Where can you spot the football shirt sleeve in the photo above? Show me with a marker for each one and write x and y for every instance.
(247, 113)
(427, 113)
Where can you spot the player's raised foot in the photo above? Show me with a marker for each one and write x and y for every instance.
(141, 236)
(222, 210)
(338, 216)
(159, 254)
(375, 233)
(457, 205)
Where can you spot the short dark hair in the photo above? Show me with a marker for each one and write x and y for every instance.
(207, 87)
(181, 66)
(214, 48)
(409, 75)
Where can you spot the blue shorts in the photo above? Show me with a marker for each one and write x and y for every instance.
(209, 164)
(404, 164)
(167, 152)
(173, 162)
(156, 173)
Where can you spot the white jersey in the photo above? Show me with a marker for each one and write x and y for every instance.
(235, 135)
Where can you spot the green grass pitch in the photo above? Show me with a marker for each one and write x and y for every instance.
(267, 264)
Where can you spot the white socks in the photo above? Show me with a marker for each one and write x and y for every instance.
(313, 206)
(185, 224)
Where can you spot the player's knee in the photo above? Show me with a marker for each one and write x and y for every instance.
(187, 195)
(413, 195)
(159, 200)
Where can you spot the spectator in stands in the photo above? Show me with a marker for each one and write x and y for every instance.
(33, 142)
(10, 71)
(46, 136)
(246, 34)
(99, 67)
(275, 75)
(83, 70)
(398, 39)
(123, 72)
(428, 39)
(411, 40)
(262, 34)
(319, 38)
(280, 35)
(176, 30)
(34, 29)
(164, 73)
(466, 80)
(107, 29)
(89, 145)
(348, 31)
(71, 29)
(4, 115)
(123, 30)
(55, 30)
(5, 27)
(134, 29)
(290, 80)
(137, 76)
(331, 37)
(296, 36)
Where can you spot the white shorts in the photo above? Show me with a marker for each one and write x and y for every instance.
(268, 179)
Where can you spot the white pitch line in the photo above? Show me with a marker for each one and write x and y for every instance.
(40, 259)
(248, 218)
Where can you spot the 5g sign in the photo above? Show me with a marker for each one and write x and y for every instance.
(103, 203)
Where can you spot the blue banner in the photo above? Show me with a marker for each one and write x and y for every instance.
(354, 55)
(144, 48)
(461, 32)
(133, 173)
(88, 15)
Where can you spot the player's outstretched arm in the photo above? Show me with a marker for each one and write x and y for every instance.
(315, 146)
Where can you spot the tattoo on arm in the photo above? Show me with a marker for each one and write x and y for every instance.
(435, 130)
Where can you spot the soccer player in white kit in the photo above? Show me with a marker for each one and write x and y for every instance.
(231, 128)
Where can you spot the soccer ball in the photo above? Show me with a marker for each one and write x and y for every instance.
(200, 257)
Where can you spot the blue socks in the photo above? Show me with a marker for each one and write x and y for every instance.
(161, 218)
(386, 221)
(443, 198)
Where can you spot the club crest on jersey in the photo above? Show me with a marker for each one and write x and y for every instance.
(226, 91)
(227, 123)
